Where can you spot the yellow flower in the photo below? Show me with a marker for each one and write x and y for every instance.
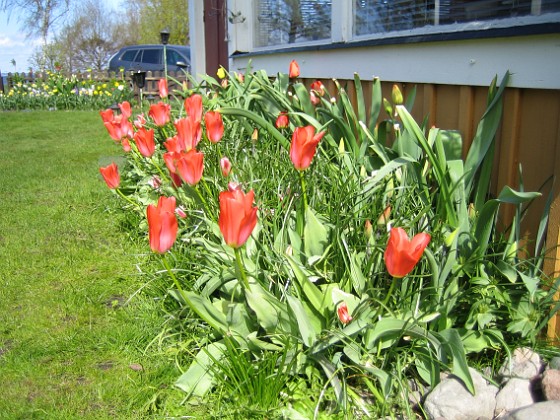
(104, 85)
(221, 73)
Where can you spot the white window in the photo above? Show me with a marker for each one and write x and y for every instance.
(287, 22)
(372, 17)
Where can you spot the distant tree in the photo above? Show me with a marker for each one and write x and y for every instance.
(86, 41)
(38, 17)
(148, 17)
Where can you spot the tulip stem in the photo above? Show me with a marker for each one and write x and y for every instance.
(119, 192)
(241, 269)
(172, 275)
(303, 192)
(387, 297)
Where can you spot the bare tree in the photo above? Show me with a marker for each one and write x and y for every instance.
(38, 17)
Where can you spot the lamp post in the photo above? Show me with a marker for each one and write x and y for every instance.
(139, 80)
(164, 35)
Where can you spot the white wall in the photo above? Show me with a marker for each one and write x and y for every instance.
(196, 33)
(534, 62)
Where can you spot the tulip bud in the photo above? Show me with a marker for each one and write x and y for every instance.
(225, 165)
(387, 106)
(221, 73)
(368, 229)
(341, 148)
(255, 135)
(384, 218)
(180, 211)
(342, 312)
(397, 95)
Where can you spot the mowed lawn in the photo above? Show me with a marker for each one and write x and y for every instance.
(73, 332)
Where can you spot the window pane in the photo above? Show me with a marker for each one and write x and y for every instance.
(129, 55)
(282, 22)
(151, 56)
(377, 17)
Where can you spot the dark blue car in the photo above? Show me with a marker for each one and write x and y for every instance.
(150, 58)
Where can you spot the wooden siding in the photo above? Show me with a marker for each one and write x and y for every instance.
(529, 136)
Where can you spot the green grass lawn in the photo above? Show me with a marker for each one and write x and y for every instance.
(69, 345)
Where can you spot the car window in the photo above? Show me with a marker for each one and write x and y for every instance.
(151, 56)
(173, 57)
(129, 55)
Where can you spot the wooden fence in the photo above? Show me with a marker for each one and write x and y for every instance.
(150, 88)
(528, 139)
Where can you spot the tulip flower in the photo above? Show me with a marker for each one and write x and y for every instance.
(119, 128)
(107, 115)
(162, 224)
(282, 121)
(170, 159)
(193, 107)
(238, 217)
(225, 165)
(111, 175)
(221, 73)
(190, 166)
(162, 87)
(126, 110)
(304, 145)
(214, 126)
(342, 312)
(189, 132)
(140, 121)
(402, 254)
(126, 144)
(172, 144)
(160, 113)
(318, 87)
(145, 142)
(315, 100)
(294, 69)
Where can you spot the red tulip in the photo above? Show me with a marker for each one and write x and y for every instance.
(282, 121)
(162, 87)
(304, 145)
(238, 217)
(189, 132)
(145, 142)
(189, 166)
(225, 165)
(214, 126)
(318, 87)
(172, 144)
(160, 113)
(193, 106)
(111, 175)
(119, 128)
(343, 315)
(314, 98)
(126, 110)
(140, 121)
(126, 145)
(106, 115)
(162, 224)
(402, 254)
(294, 69)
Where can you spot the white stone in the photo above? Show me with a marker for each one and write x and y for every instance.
(451, 400)
(547, 410)
(525, 364)
(515, 394)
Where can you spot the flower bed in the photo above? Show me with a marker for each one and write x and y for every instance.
(332, 255)
(59, 91)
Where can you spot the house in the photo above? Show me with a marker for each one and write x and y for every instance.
(449, 49)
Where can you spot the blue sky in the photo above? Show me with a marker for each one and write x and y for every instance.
(14, 45)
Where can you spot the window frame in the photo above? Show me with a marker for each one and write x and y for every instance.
(342, 31)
